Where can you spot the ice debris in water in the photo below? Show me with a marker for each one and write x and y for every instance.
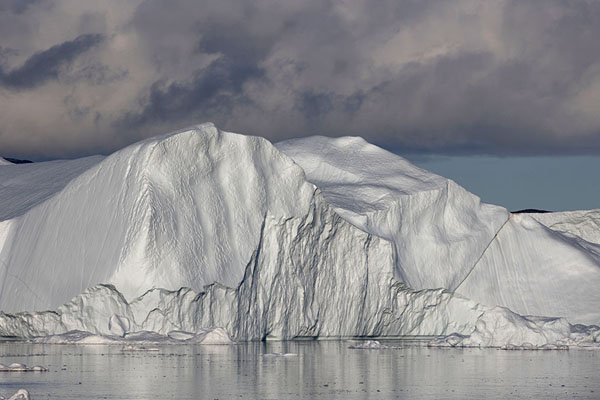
(18, 367)
(370, 344)
(133, 347)
(21, 394)
(501, 328)
(138, 340)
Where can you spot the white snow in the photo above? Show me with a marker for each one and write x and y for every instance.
(21, 394)
(444, 237)
(184, 209)
(439, 230)
(500, 327)
(137, 341)
(582, 224)
(369, 345)
(18, 367)
(534, 270)
(23, 186)
(204, 236)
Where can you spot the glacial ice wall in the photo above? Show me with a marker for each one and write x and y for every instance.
(184, 209)
(347, 289)
(203, 229)
(534, 270)
(293, 301)
(445, 237)
(439, 230)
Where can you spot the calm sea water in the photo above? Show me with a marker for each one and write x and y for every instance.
(321, 370)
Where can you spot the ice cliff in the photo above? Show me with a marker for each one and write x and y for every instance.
(444, 237)
(317, 237)
(185, 209)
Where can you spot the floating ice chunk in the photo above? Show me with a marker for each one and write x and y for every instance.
(181, 335)
(146, 337)
(370, 344)
(280, 354)
(138, 341)
(367, 344)
(21, 394)
(18, 367)
(134, 347)
(72, 337)
(501, 328)
(212, 336)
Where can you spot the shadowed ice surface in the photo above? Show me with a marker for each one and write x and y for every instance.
(315, 369)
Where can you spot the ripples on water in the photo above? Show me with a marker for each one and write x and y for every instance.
(321, 370)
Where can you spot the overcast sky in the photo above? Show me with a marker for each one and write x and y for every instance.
(471, 77)
(506, 78)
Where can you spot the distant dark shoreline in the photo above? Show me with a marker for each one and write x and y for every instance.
(531, 211)
(17, 161)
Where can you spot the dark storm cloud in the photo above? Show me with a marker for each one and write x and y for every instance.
(45, 65)
(505, 77)
(17, 6)
(212, 91)
(314, 105)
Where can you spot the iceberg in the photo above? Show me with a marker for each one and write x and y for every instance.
(443, 236)
(21, 394)
(205, 236)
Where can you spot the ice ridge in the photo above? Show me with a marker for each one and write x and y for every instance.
(202, 229)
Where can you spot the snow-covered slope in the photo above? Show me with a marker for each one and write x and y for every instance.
(184, 209)
(24, 186)
(584, 224)
(534, 270)
(444, 237)
(439, 230)
(311, 237)
(4, 162)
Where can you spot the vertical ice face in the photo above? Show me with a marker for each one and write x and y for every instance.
(184, 209)
(306, 238)
(534, 270)
(445, 237)
(439, 230)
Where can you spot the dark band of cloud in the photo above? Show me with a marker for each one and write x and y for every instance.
(45, 65)
(469, 76)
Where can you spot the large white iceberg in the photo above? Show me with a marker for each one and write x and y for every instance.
(444, 237)
(185, 209)
(317, 237)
